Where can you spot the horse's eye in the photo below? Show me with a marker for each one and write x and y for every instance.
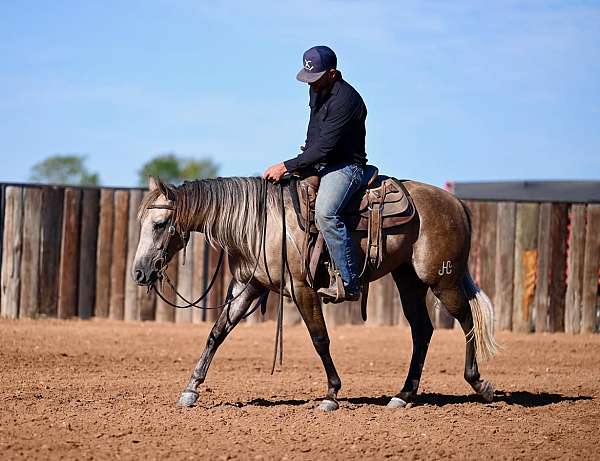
(160, 225)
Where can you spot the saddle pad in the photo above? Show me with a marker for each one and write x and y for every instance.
(397, 207)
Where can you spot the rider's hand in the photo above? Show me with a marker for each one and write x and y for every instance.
(275, 173)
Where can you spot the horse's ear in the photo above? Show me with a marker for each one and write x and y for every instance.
(153, 183)
(171, 192)
(165, 189)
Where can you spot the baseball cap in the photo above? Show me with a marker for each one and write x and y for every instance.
(315, 62)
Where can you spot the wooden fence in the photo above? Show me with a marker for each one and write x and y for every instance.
(67, 252)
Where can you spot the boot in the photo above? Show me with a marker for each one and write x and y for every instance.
(331, 294)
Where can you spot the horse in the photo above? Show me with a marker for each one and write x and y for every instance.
(429, 252)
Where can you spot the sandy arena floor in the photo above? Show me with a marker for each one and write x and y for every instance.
(100, 390)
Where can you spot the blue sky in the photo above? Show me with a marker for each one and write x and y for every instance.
(457, 90)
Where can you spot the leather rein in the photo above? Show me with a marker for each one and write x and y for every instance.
(184, 237)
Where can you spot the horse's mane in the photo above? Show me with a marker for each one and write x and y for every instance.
(228, 211)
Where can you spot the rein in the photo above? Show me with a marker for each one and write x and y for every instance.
(184, 237)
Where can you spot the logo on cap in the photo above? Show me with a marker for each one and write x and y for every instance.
(308, 65)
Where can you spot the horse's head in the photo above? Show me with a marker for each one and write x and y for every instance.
(160, 238)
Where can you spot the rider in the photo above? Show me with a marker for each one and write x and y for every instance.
(335, 147)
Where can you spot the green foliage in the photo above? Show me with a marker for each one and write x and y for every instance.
(174, 169)
(64, 169)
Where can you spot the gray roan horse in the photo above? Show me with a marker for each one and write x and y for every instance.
(431, 251)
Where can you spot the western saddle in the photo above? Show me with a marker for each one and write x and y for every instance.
(383, 204)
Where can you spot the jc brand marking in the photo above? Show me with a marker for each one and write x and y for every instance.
(446, 268)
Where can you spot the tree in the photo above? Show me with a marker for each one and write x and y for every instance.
(64, 169)
(174, 169)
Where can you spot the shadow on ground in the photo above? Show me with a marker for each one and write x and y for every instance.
(520, 398)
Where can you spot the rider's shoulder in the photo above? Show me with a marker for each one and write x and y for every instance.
(346, 94)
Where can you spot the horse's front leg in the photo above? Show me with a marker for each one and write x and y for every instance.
(228, 319)
(310, 308)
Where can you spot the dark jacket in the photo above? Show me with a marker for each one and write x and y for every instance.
(336, 129)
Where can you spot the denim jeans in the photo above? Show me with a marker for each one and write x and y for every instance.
(338, 185)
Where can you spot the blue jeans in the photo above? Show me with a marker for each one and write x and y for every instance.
(338, 185)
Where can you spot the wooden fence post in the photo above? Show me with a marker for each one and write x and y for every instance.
(119, 255)
(383, 304)
(348, 313)
(549, 299)
(353, 316)
(199, 284)
(50, 238)
(104, 253)
(69, 261)
(132, 298)
(525, 266)
(487, 248)
(291, 314)
(185, 279)
(227, 277)
(164, 312)
(90, 206)
(215, 294)
(30, 259)
(147, 301)
(474, 253)
(505, 265)
(12, 244)
(271, 310)
(575, 258)
(335, 314)
(591, 270)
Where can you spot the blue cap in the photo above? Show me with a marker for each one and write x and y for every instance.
(315, 62)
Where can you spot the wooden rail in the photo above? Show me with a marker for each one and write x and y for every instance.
(67, 252)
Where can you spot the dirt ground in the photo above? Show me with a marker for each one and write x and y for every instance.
(100, 389)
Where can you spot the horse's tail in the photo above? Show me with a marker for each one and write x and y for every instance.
(482, 311)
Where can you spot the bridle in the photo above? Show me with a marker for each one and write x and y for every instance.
(171, 232)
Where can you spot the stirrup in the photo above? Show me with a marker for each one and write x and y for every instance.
(335, 280)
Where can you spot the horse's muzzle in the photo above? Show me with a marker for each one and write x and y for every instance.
(142, 277)
(139, 277)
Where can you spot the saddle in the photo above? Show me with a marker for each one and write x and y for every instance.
(383, 204)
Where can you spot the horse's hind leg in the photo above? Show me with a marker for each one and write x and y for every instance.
(310, 308)
(412, 293)
(228, 319)
(458, 301)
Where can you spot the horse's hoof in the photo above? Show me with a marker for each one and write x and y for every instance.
(485, 389)
(397, 402)
(328, 405)
(188, 398)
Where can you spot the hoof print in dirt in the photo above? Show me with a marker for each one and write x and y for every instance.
(187, 399)
(328, 405)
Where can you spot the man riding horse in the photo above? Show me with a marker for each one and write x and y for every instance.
(335, 148)
(429, 253)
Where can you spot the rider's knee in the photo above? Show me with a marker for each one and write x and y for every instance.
(324, 218)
